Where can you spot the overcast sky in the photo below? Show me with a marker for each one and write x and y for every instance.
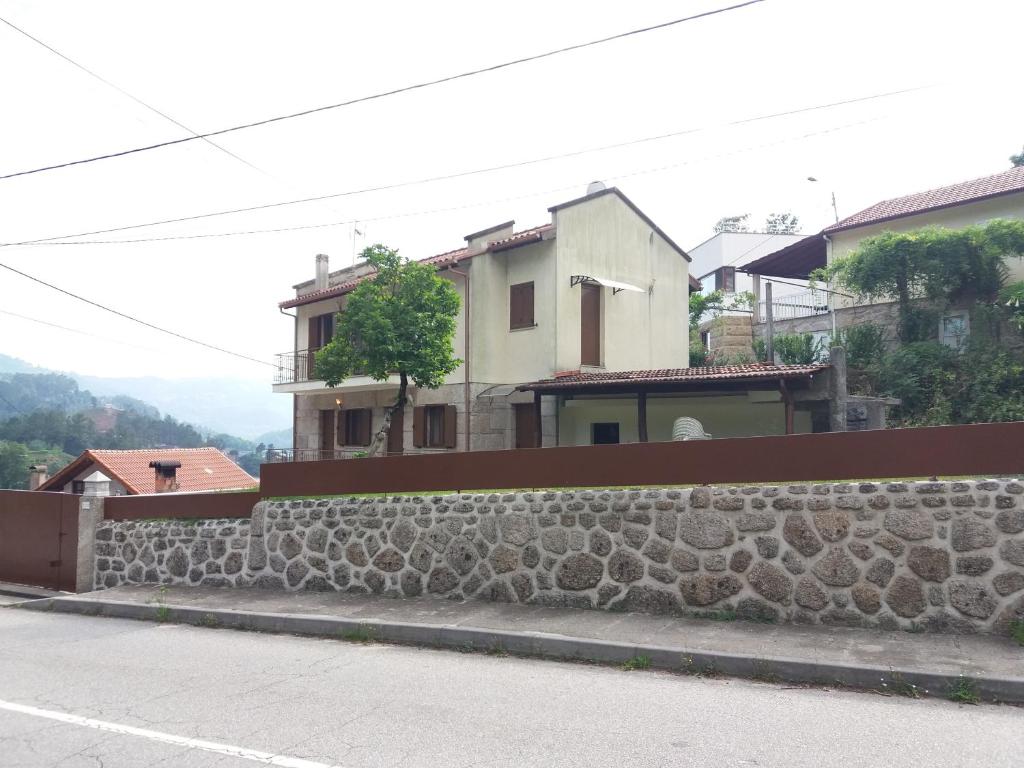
(215, 64)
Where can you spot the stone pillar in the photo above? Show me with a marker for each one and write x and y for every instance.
(90, 513)
(837, 390)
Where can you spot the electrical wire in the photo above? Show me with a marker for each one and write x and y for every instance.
(77, 330)
(392, 92)
(134, 319)
(462, 174)
(131, 96)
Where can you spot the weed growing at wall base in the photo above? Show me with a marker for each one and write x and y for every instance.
(964, 691)
(637, 662)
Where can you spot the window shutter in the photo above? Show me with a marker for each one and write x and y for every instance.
(527, 302)
(419, 424)
(520, 305)
(313, 342)
(365, 426)
(343, 427)
(451, 422)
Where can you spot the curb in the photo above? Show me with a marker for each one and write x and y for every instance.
(29, 593)
(542, 645)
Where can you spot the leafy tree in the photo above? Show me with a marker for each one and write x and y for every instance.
(13, 466)
(1017, 160)
(864, 345)
(781, 223)
(400, 321)
(733, 224)
(930, 264)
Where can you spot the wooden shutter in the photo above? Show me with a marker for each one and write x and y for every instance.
(419, 426)
(396, 432)
(451, 422)
(364, 425)
(521, 306)
(343, 427)
(326, 430)
(313, 342)
(590, 324)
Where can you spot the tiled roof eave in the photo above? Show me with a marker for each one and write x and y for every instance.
(679, 377)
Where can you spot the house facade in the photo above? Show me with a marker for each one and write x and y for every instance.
(977, 201)
(600, 287)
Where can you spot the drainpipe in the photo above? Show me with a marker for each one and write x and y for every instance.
(465, 357)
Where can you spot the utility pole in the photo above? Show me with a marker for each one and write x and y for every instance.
(769, 315)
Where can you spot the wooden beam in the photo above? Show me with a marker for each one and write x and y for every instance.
(641, 415)
(787, 399)
(538, 440)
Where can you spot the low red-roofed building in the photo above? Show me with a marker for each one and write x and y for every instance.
(153, 470)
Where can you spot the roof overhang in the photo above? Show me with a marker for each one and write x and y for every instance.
(678, 380)
(615, 285)
(796, 261)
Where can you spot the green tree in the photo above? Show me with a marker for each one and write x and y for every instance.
(733, 224)
(931, 264)
(781, 223)
(13, 466)
(1017, 160)
(400, 321)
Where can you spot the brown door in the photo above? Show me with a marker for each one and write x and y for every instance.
(327, 431)
(526, 427)
(396, 432)
(590, 324)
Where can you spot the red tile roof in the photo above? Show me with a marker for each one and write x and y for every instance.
(202, 469)
(752, 372)
(1004, 183)
(441, 261)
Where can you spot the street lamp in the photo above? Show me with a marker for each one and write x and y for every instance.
(834, 209)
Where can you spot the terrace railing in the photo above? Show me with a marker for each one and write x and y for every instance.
(804, 304)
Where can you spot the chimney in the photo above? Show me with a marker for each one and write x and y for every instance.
(480, 240)
(37, 475)
(322, 272)
(165, 475)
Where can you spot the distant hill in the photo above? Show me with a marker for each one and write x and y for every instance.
(10, 364)
(282, 438)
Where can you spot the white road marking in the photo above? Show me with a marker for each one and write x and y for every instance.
(254, 755)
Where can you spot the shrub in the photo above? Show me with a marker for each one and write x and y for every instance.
(797, 348)
(864, 345)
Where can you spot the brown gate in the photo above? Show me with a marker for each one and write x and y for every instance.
(39, 539)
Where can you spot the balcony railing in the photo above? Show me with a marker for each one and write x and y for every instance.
(286, 455)
(295, 367)
(804, 304)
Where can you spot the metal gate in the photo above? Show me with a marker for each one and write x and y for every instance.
(39, 539)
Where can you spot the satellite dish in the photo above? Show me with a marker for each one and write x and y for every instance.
(595, 186)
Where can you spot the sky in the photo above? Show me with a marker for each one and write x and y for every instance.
(214, 65)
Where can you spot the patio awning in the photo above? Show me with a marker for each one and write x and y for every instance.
(797, 260)
(615, 285)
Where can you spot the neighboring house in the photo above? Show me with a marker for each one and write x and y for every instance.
(958, 205)
(598, 288)
(150, 470)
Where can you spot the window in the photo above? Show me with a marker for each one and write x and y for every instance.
(954, 329)
(354, 426)
(604, 433)
(725, 279)
(321, 331)
(78, 486)
(434, 426)
(822, 344)
(520, 306)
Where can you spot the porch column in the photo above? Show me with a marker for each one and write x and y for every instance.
(757, 298)
(641, 415)
(787, 399)
(538, 437)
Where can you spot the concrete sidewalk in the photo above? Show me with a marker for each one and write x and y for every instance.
(801, 654)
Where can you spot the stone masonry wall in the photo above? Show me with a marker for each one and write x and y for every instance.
(940, 556)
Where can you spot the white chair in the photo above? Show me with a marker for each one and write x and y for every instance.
(686, 428)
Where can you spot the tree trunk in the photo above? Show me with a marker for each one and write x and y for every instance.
(381, 437)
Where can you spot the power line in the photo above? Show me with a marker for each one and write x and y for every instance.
(392, 92)
(462, 174)
(427, 212)
(131, 96)
(76, 330)
(134, 319)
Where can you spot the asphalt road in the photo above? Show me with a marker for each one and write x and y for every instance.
(109, 693)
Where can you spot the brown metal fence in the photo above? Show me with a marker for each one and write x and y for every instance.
(975, 449)
(39, 539)
(180, 505)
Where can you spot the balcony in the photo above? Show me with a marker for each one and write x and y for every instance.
(296, 372)
(287, 455)
(804, 304)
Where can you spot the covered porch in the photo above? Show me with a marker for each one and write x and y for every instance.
(728, 401)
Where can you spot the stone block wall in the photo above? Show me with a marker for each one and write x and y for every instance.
(207, 553)
(940, 556)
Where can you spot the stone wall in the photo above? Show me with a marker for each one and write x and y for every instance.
(207, 552)
(940, 556)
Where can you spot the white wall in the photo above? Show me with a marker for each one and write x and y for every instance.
(603, 237)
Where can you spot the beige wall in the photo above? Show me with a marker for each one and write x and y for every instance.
(604, 237)
(723, 416)
(1006, 207)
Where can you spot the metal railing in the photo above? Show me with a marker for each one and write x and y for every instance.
(804, 304)
(288, 455)
(295, 367)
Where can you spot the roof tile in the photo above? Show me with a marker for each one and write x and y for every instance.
(573, 379)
